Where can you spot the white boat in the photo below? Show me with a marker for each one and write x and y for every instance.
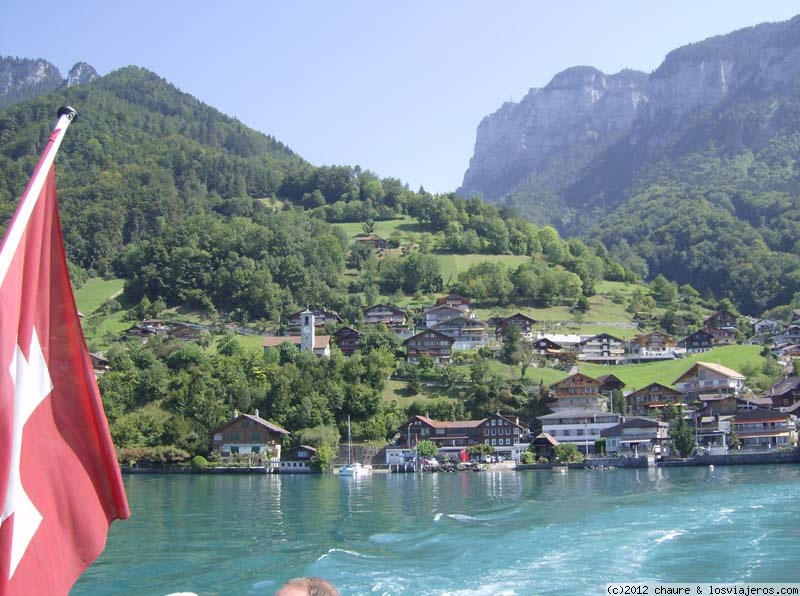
(355, 469)
(352, 468)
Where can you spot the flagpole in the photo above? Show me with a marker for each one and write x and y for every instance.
(66, 115)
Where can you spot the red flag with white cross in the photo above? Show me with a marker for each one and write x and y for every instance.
(60, 484)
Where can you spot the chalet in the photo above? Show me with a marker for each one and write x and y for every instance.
(784, 393)
(347, 339)
(568, 342)
(246, 434)
(501, 432)
(728, 404)
(655, 341)
(544, 446)
(722, 319)
(100, 363)
(384, 314)
(546, 347)
(795, 316)
(603, 349)
(699, 341)
(374, 241)
(765, 429)
(453, 300)
(431, 343)
(579, 426)
(297, 460)
(721, 336)
(655, 396)
(790, 335)
(462, 433)
(186, 332)
(786, 351)
(766, 326)
(713, 431)
(522, 322)
(467, 333)
(577, 391)
(638, 435)
(609, 383)
(441, 314)
(321, 317)
(704, 377)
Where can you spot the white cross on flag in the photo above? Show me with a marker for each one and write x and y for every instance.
(60, 485)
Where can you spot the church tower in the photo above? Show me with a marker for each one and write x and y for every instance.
(307, 330)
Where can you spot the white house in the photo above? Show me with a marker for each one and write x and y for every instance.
(581, 427)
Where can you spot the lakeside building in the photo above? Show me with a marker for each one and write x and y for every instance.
(506, 435)
(249, 434)
(635, 435)
(765, 429)
(297, 460)
(579, 426)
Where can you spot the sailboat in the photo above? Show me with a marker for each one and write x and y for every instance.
(352, 468)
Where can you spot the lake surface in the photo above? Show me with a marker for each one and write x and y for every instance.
(503, 532)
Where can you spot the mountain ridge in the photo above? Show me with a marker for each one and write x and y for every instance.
(717, 124)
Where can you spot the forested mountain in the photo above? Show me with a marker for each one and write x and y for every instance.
(191, 207)
(140, 153)
(691, 172)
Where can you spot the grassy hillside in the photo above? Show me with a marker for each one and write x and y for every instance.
(637, 376)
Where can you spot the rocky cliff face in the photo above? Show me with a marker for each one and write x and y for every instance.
(576, 114)
(22, 78)
(581, 112)
(80, 74)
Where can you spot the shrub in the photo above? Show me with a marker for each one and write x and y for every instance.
(199, 463)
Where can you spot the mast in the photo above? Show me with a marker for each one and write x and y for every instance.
(349, 444)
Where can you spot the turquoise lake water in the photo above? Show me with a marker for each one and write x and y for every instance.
(503, 532)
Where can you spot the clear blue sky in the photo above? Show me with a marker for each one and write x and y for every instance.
(396, 87)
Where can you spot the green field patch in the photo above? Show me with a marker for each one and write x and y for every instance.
(95, 292)
(636, 376)
(383, 228)
(453, 264)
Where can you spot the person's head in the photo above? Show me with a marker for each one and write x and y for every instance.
(307, 586)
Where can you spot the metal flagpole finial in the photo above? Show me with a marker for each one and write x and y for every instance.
(69, 112)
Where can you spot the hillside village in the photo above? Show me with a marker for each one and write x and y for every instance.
(713, 401)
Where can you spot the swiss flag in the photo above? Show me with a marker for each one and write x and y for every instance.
(60, 485)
